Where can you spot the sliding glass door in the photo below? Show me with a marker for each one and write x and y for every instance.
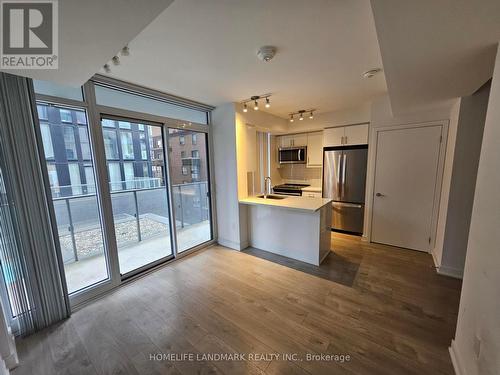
(129, 181)
(135, 159)
(190, 187)
(70, 167)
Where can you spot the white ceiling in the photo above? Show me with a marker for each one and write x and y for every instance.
(435, 50)
(91, 32)
(206, 51)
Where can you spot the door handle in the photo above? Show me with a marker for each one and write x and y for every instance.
(380, 195)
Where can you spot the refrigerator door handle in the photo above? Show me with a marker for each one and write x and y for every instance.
(338, 176)
(344, 162)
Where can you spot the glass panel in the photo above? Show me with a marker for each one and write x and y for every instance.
(119, 99)
(115, 176)
(77, 215)
(84, 142)
(127, 146)
(189, 177)
(110, 144)
(128, 169)
(140, 211)
(74, 177)
(47, 140)
(69, 142)
(54, 89)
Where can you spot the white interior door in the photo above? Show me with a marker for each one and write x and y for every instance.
(406, 175)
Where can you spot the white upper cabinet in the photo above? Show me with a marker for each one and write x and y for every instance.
(293, 140)
(314, 149)
(356, 135)
(334, 136)
(346, 135)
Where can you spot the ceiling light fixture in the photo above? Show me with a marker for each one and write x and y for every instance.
(255, 99)
(107, 68)
(370, 73)
(301, 112)
(116, 60)
(125, 51)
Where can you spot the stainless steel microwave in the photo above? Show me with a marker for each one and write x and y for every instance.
(292, 155)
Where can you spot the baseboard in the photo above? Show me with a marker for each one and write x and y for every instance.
(365, 239)
(455, 359)
(232, 244)
(451, 272)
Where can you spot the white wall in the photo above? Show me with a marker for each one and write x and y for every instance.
(226, 177)
(382, 116)
(479, 313)
(463, 180)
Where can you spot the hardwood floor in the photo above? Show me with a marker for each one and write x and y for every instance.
(397, 316)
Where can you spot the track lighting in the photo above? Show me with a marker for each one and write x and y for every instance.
(115, 60)
(301, 112)
(255, 99)
(107, 68)
(125, 51)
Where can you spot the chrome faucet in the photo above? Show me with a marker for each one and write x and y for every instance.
(266, 186)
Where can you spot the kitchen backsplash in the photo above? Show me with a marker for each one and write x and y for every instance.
(299, 173)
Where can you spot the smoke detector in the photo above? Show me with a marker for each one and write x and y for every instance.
(266, 53)
(370, 73)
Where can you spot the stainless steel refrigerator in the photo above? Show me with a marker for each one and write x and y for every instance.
(344, 181)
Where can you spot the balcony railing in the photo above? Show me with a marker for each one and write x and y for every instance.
(139, 214)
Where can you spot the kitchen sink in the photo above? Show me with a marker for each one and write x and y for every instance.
(270, 196)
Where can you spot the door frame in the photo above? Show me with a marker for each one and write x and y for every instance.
(372, 170)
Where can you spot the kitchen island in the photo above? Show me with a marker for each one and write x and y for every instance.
(294, 227)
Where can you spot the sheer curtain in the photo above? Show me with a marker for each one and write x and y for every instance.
(31, 265)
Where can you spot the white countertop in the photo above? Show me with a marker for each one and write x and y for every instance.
(290, 202)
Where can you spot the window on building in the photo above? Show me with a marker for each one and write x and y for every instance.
(183, 154)
(140, 127)
(144, 148)
(65, 115)
(184, 170)
(81, 118)
(75, 179)
(69, 142)
(84, 143)
(127, 145)
(195, 172)
(124, 125)
(193, 138)
(47, 141)
(110, 144)
(53, 180)
(42, 112)
(195, 154)
(182, 140)
(107, 123)
(115, 176)
(128, 168)
(89, 179)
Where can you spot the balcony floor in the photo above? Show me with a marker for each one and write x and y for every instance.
(92, 269)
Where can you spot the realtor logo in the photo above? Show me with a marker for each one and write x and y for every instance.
(29, 34)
